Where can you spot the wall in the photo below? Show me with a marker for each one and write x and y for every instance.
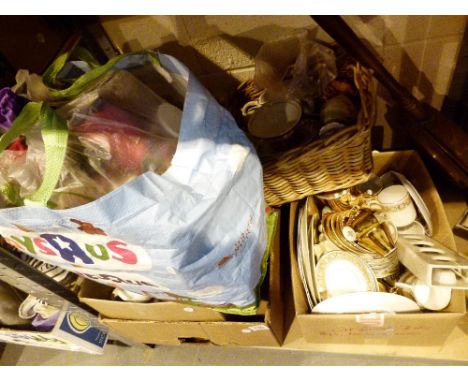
(420, 51)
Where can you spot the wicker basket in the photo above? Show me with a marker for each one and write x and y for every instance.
(340, 161)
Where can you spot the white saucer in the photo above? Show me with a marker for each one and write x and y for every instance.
(340, 272)
(366, 302)
(300, 247)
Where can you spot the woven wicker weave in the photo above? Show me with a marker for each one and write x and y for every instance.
(340, 161)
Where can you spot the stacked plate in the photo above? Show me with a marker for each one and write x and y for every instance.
(330, 273)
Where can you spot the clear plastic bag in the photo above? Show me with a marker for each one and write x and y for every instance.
(297, 67)
(123, 129)
(273, 62)
(20, 172)
(118, 129)
(314, 69)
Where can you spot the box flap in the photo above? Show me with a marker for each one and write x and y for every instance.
(98, 297)
(156, 332)
(274, 316)
(241, 334)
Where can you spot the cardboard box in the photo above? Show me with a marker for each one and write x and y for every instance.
(454, 348)
(98, 296)
(73, 331)
(265, 329)
(379, 332)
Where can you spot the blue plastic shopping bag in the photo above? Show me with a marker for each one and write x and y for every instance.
(195, 233)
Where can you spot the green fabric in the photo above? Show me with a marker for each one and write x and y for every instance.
(50, 75)
(85, 55)
(55, 136)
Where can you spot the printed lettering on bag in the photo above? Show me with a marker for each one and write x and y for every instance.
(122, 279)
(79, 249)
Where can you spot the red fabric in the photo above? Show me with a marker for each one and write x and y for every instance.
(19, 144)
(129, 145)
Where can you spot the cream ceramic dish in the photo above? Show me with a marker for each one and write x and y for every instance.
(366, 302)
(340, 272)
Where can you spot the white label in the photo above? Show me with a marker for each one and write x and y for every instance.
(257, 328)
(373, 319)
(188, 310)
(246, 331)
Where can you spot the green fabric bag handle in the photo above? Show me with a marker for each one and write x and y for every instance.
(85, 55)
(54, 133)
(55, 136)
(50, 75)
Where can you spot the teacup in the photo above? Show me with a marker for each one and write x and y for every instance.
(444, 277)
(430, 297)
(26, 309)
(396, 205)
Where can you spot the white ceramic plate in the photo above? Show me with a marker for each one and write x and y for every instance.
(300, 257)
(302, 276)
(418, 200)
(313, 263)
(306, 253)
(366, 302)
(340, 272)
